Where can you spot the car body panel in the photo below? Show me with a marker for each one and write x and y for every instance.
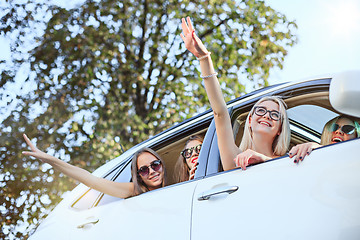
(143, 216)
(316, 199)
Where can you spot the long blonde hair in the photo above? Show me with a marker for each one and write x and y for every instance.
(282, 141)
(327, 130)
(139, 185)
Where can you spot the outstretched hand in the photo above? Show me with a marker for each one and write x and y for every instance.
(35, 152)
(192, 42)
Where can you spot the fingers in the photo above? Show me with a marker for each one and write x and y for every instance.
(300, 154)
(302, 150)
(297, 153)
(35, 152)
(32, 154)
(26, 153)
(199, 45)
(188, 29)
(309, 151)
(243, 166)
(245, 162)
(29, 143)
(241, 161)
(27, 140)
(191, 28)
(182, 37)
(185, 27)
(236, 160)
(192, 172)
(293, 151)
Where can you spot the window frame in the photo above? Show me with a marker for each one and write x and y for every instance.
(244, 104)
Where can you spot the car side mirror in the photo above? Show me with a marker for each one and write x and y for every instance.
(344, 93)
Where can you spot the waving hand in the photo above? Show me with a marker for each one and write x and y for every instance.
(192, 42)
(36, 153)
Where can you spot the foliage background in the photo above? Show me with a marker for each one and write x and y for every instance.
(109, 74)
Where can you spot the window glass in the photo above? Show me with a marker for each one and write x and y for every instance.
(168, 148)
(306, 122)
(92, 197)
(125, 176)
(311, 116)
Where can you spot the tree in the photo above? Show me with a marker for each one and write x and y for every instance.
(111, 74)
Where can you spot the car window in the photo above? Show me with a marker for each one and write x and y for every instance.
(308, 112)
(125, 176)
(311, 116)
(91, 197)
(169, 150)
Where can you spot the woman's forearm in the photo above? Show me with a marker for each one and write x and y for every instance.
(74, 172)
(212, 87)
(116, 189)
(228, 149)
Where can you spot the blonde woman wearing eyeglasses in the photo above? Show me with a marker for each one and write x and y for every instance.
(267, 131)
(147, 170)
(338, 129)
(187, 162)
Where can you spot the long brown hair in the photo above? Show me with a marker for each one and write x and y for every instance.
(181, 167)
(139, 185)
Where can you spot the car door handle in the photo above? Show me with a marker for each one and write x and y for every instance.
(87, 224)
(225, 189)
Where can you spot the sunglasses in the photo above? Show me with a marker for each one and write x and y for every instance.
(261, 111)
(347, 129)
(155, 165)
(187, 153)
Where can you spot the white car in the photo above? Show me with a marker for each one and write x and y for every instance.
(316, 199)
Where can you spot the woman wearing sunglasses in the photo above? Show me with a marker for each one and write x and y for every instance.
(187, 162)
(338, 129)
(267, 131)
(147, 169)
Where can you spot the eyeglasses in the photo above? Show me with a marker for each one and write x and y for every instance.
(347, 129)
(155, 165)
(187, 153)
(261, 111)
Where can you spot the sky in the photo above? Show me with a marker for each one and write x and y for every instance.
(328, 39)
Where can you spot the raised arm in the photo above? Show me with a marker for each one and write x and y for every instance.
(226, 142)
(121, 190)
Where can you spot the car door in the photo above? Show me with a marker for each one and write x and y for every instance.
(316, 199)
(159, 214)
(162, 214)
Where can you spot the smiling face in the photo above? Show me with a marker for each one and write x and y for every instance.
(191, 162)
(155, 178)
(338, 135)
(265, 124)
